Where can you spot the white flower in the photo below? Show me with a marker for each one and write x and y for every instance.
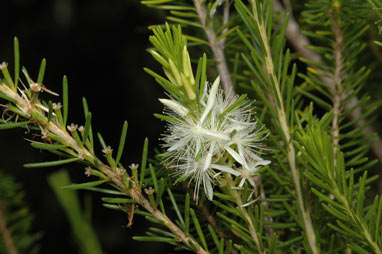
(249, 171)
(197, 141)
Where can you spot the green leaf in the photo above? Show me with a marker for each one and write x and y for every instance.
(41, 72)
(87, 130)
(198, 229)
(121, 142)
(50, 163)
(173, 202)
(17, 60)
(187, 213)
(143, 162)
(6, 126)
(86, 112)
(233, 106)
(152, 2)
(154, 177)
(114, 207)
(65, 99)
(167, 118)
(47, 146)
(214, 236)
(78, 186)
(203, 75)
(154, 239)
(106, 191)
(101, 141)
(119, 200)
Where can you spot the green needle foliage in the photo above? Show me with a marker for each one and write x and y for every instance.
(16, 220)
(268, 149)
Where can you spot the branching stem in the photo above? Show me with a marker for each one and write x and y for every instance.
(216, 46)
(300, 42)
(309, 230)
(134, 191)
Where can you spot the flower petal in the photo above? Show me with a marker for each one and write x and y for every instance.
(225, 169)
(208, 187)
(211, 99)
(236, 156)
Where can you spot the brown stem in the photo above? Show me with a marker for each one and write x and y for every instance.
(134, 192)
(8, 241)
(336, 89)
(216, 46)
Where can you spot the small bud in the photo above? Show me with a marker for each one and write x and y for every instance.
(107, 150)
(149, 190)
(44, 134)
(72, 128)
(35, 87)
(134, 166)
(81, 129)
(3, 65)
(191, 95)
(187, 69)
(120, 171)
(57, 106)
(82, 155)
(170, 77)
(175, 72)
(174, 106)
(88, 171)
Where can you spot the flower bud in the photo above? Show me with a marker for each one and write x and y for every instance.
(174, 106)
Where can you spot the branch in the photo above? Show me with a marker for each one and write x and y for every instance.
(308, 225)
(336, 89)
(31, 111)
(300, 43)
(217, 47)
(8, 241)
(251, 226)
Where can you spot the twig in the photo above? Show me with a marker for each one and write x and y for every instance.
(209, 217)
(134, 191)
(251, 226)
(216, 46)
(336, 89)
(300, 43)
(308, 225)
(8, 241)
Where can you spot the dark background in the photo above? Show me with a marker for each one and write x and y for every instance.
(100, 45)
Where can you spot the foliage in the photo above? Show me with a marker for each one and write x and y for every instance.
(276, 164)
(16, 221)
